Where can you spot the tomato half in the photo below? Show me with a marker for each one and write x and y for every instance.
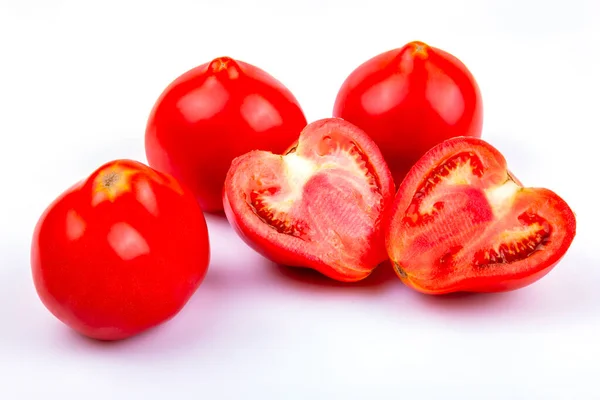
(410, 99)
(461, 222)
(120, 252)
(319, 206)
(213, 113)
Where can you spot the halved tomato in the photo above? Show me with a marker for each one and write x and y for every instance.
(319, 206)
(462, 222)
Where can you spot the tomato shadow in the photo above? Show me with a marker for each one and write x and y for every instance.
(30, 330)
(217, 222)
(216, 216)
(559, 296)
(382, 275)
(464, 303)
(19, 304)
(196, 324)
(235, 264)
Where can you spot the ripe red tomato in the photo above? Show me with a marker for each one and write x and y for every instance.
(410, 99)
(461, 222)
(120, 252)
(214, 113)
(319, 206)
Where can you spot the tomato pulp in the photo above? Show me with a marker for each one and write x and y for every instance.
(410, 99)
(462, 222)
(318, 206)
(213, 113)
(120, 252)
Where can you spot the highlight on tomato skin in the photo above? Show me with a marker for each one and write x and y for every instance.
(461, 221)
(318, 205)
(213, 113)
(120, 252)
(409, 99)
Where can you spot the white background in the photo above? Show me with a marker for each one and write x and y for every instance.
(77, 81)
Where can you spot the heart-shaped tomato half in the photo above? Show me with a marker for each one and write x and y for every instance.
(462, 222)
(318, 206)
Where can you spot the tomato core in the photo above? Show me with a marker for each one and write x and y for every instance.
(279, 204)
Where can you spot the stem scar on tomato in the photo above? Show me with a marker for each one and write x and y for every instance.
(461, 221)
(110, 179)
(110, 182)
(226, 67)
(118, 177)
(419, 49)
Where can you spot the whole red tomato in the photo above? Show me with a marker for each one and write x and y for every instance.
(410, 99)
(462, 222)
(120, 252)
(214, 113)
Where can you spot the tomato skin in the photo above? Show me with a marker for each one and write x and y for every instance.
(113, 262)
(334, 202)
(479, 213)
(213, 113)
(410, 99)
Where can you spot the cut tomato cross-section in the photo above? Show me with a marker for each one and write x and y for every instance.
(319, 206)
(462, 222)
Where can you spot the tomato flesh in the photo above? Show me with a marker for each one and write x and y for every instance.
(462, 222)
(320, 205)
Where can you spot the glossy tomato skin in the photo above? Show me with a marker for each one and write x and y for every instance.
(323, 204)
(462, 222)
(213, 113)
(410, 99)
(120, 252)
